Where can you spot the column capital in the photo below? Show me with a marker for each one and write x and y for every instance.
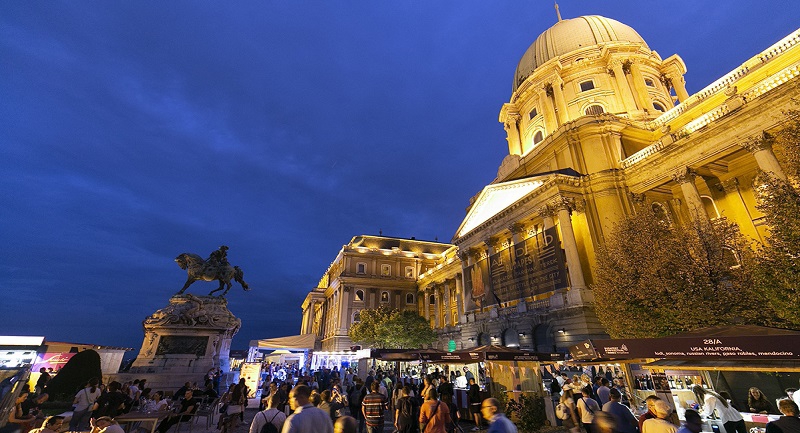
(347, 289)
(639, 199)
(548, 89)
(490, 241)
(730, 185)
(463, 256)
(516, 228)
(684, 175)
(761, 141)
(546, 211)
(570, 204)
(616, 63)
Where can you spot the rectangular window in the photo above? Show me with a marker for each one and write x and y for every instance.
(587, 85)
(361, 268)
(533, 113)
(386, 270)
(409, 272)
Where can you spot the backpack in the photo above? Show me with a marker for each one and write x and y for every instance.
(562, 411)
(269, 427)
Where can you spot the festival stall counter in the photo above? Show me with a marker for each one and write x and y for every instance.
(728, 359)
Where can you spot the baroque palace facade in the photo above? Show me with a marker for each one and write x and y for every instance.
(596, 122)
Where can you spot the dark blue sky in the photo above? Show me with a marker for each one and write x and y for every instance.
(131, 132)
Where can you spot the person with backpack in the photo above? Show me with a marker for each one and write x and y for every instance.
(434, 416)
(566, 411)
(587, 407)
(405, 409)
(271, 419)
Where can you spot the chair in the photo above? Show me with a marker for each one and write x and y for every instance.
(207, 410)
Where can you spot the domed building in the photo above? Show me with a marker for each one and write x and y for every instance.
(596, 121)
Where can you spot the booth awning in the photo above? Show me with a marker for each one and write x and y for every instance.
(722, 365)
(729, 343)
(292, 342)
(492, 353)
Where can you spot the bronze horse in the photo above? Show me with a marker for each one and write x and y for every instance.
(199, 269)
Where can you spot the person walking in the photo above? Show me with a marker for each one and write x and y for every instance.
(306, 418)
(587, 407)
(84, 405)
(270, 414)
(498, 423)
(434, 415)
(373, 408)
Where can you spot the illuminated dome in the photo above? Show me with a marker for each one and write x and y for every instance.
(571, 35)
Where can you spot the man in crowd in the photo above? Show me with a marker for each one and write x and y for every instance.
(498, 423)
(650, 401)
(626, 422)
(306, 418)
(789, 422)
(603, 392)
(373, 407)
(693, 424)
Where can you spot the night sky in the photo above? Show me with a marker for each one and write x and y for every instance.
(131, 132)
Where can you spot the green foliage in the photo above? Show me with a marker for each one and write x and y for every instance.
(385, 328)
(530, 413)
(74, 375)
(656, 279)
(777, 269)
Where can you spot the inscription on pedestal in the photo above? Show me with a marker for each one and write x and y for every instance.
(182, 345)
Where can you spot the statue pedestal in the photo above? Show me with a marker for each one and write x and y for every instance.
(184, 340)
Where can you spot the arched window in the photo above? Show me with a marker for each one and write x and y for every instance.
(483, 339)
(359, 296)
(432, 299)
(538, 137)
(384, 296)
(594, 110)
(356, 317)
(649, 82)
(410, 298)
(659, 107)
(511, 338)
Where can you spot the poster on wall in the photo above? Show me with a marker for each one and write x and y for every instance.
(251, 373)
(532, 267)
(53, 360)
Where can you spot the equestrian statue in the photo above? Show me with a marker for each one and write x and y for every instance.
(216, 267)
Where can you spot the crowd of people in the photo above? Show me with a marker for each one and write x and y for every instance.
(598, 406)
(330, 400)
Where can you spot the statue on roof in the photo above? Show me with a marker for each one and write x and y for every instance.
(216, 267)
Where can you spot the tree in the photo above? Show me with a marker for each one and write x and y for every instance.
(777, 266)
(654, 278)
(385, 327)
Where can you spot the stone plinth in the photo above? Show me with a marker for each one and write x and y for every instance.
(186, 339)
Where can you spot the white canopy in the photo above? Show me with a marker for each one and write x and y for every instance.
(292, 342)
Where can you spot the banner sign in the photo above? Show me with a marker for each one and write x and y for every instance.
(767, 347)
(583, 351)
(532, 267)
(505, 356)
(469, 357)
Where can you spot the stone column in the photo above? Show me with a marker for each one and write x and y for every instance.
(622, 86)
(564, 207)
(511, 125)
(640, 88)
(448, 305)
(561, 102)
(679, 84)
(426, 305)
(761, 148)
(546, 104)
(685, 178)
(344, 309)
(460, 296)
(436, 307)
(547, 213)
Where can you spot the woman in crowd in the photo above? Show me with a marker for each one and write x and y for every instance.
(567, 399)
(730, 417)
(434, 415)
(757, 402)
(16, 417)
(84, 405)
(52, 424)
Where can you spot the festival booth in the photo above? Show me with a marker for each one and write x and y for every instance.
(729, 359)
(300, 345)
(499, 370)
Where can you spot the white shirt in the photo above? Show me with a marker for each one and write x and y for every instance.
(461, 382)
(308, 419)
(796, 397)
(85, 398)
(587, 407)
(266, 416)
(726, 414)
